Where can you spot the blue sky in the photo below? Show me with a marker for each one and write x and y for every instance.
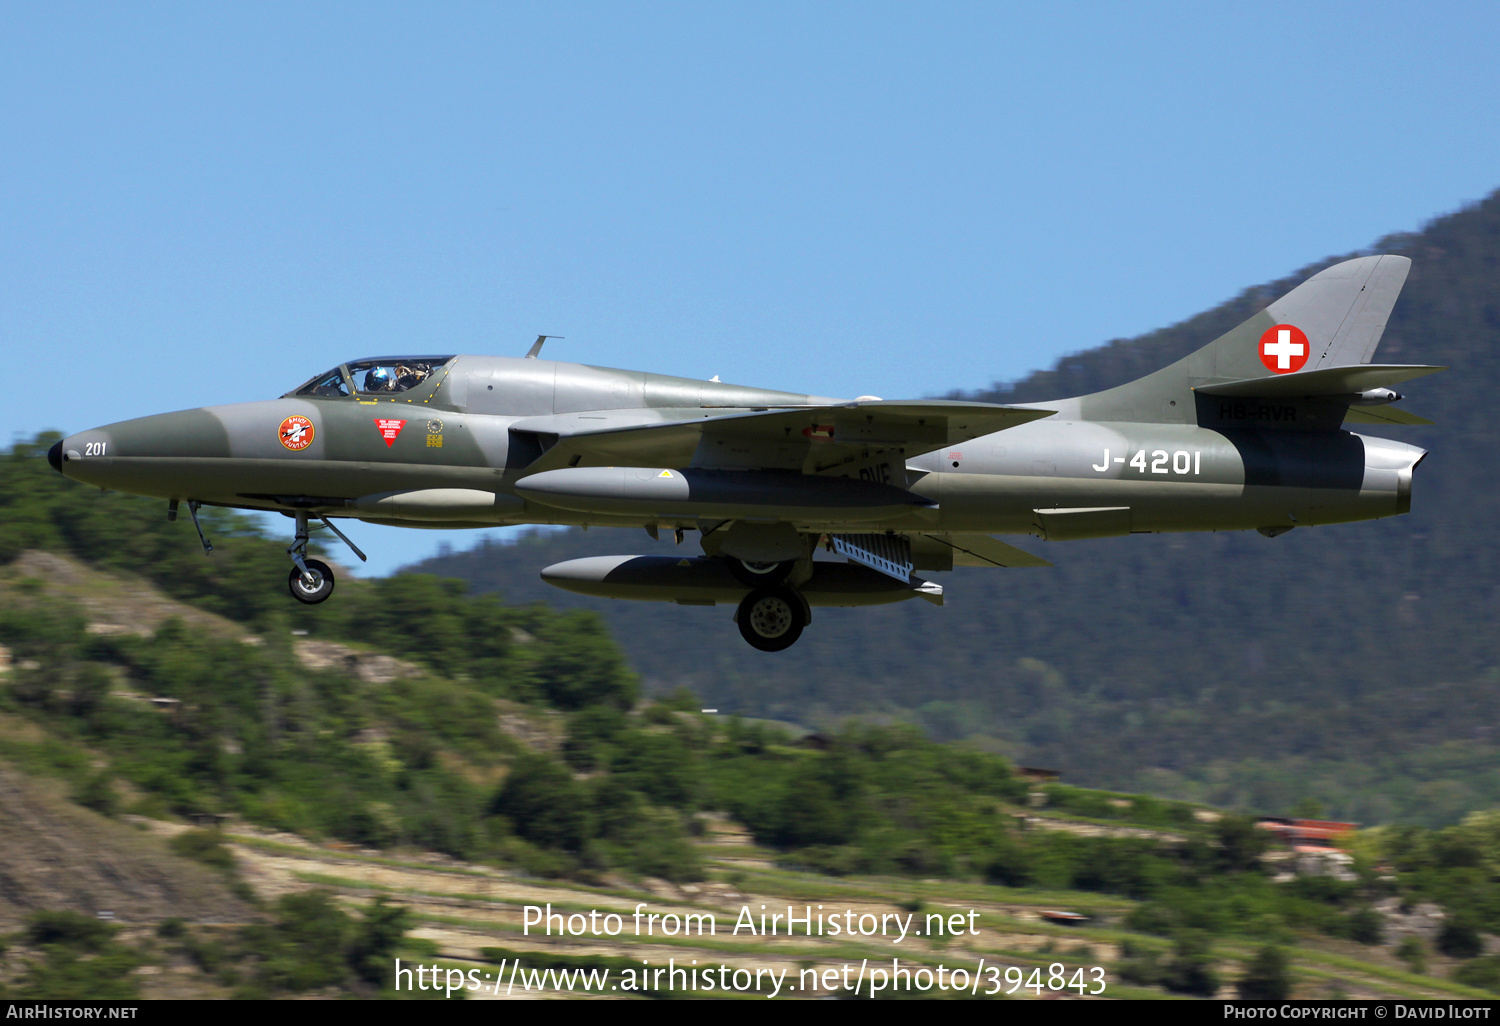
(204, 204)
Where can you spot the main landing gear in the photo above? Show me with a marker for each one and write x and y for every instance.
(311, 580)
(760, 575)
(771, 619)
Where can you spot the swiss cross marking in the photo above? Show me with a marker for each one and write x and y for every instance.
(1284, 349)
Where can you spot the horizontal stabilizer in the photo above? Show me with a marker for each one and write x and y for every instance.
(1384, 415)
(1328, 381)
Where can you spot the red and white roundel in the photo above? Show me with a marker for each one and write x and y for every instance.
(296, 432)
(1284, 349)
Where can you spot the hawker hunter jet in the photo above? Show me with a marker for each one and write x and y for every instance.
(1247, 433)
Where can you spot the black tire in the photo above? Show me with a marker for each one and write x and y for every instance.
(771, 619)
(761, 575)
(322, 584)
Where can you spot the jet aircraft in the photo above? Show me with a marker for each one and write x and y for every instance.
(1247, 433)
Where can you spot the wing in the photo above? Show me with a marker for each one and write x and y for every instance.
(806, 438)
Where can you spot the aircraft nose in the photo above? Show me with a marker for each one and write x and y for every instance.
(54, 456)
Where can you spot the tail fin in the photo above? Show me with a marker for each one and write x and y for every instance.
(1348, 305)
(1334, 319)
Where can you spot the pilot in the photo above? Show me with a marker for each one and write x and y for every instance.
(379, 379)
(408, 377)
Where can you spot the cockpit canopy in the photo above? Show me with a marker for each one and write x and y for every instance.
(381, 375)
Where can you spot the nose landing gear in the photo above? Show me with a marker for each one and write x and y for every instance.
(311, 580)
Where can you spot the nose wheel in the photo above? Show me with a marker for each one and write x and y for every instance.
(771, 619)
(313, 583)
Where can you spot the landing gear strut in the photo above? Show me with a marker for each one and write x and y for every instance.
(771, 619)
(311, 580)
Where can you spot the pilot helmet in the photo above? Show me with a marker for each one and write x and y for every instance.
(378, 379)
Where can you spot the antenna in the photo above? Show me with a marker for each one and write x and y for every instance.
(536, 347)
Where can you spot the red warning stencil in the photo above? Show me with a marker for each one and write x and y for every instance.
(389, 429)
(1284, 349)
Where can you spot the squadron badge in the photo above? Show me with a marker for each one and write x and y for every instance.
(296, 432)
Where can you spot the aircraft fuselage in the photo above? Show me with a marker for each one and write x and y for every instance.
(1170, 477)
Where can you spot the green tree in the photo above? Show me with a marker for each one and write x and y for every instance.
(1413, 952)
(1366, 926)
(205, 846)
(1190, 970)
(1483, 973)
(544, 804)
(81, 960)
(590, 732)
(659, 765)
(376, 937)
(68, 929)
(1309, 808)
(1139, 964)
(1241, 844)
(1267, 977)
(307, 947)
(575, 663)
(1459, 939)
(824, 806)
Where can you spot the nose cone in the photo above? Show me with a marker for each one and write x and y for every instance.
(145, 456)
(54, 456)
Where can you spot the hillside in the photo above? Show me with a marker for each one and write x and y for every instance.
(1353, 665)
(60, 855)
(371, 806)
(470, 919)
